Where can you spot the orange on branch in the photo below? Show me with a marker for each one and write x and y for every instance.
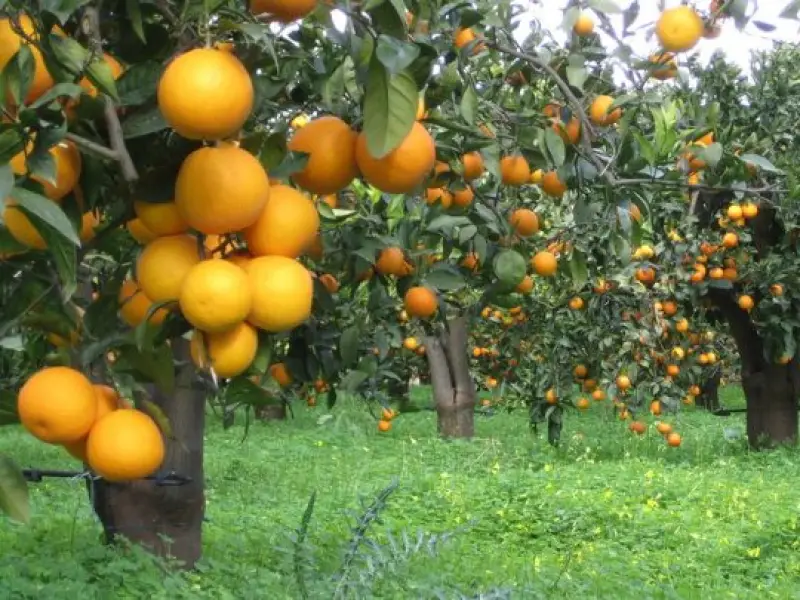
(473, 165)
(229, 353)
(215, 295)
(331, 148)
(134, 305)
(283, 292)
(125, 445)
(287, 226)
(403, 169)
(420, 302)
(161, 218)
(679, 29)
(164, 264)
(552, 185)
(524, 222)
(515, 170)
(544, 263)
(284, 11)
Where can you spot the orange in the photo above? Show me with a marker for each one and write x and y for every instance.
(19, 226)
(441, 195)
(161, 218)
(282, 293)
(421, 113)
(215, 296)
(679, 29)
(776, 289)
(280, 373)
(330, 199)
(68, 165)
(330, 282)
(471, 262)
(10, 43)
(465, 35)
(163, 265)
(331, 148)
(571, 132)
(682, 326)
(392, 261)
(134, 305)
(580, 371)
(730, 240)
(240, 258)
(285, 11)
(287, 226)
(623, 382)
(420, 302)
(463, 197)
(403, 169)
(524, 221)
(746, 302)
(89, 222)
(552, 185)
(57, 405)
(526, 285)
(582, 403)
(735, 212)
(667, 67)
(473, 165)
(599, 111)
(221, 189)
(638, 427)
(229, 353)
(674, 440)
(544, 263)
(576, 303)
(139, 231)
(537, 176)
(410, 343)
(584, 25)
(515, 170)
(384, 425)
(749, 210)
(205, 94)
(125, 445)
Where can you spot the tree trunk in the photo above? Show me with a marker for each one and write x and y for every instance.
(166, 520)
(771, 405)
(272, 412)
(709, 392)
(770, 389)
(453, 388)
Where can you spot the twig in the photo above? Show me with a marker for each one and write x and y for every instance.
(699, 186)
(92, 147)
(91, 27)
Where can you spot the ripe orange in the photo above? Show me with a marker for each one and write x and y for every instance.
(638, 427)
(464, 36)
(283, 292)
(584, 25)
(463, 197)
(599, 111)
(569, 132)
(473, 165)
(68, 166)
(551, 397)
(384, 425)
(734, 212)
(552, 185)
(10, 43)
(331, 148)
(524, 221)
(664, 428)
(404, 168)
(420, 302)
(544, 263)
(666, 67)
(623, 382)
(514, 170)
(582, 403)
(746, 302)
(229, 353)
(221, 189)
(125, 445)
(598, 395)
(285, 11)
(776, 289)
(410, 343)
(163, 265)
(134, 304)
(89, 223)
(205, 94)
(215, 296)
(19, 226)
(674, 440)
(139, 231)
(161, 218)
(441, 195)
(330, 282)
(57, 405)
(576, 303)
(280, 373)
(392, 261)
(526, 285)
(749, 210)
(287, 226)
(730, 240)
(580, 371)
(679, 29)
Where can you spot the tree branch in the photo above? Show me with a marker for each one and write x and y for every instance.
(699, 186)
(92, 147)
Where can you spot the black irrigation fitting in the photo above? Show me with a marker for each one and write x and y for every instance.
(37, 475)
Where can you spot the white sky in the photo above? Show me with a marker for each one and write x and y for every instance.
(737, 45)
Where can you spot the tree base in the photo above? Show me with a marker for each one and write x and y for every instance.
(772, 406)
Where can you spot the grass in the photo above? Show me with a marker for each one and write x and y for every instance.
(606, 515)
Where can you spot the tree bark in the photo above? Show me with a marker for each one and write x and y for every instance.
(771, 390)
(166, 520)
(709, 392)
(453, 388)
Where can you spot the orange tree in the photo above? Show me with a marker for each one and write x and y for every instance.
(159, 161)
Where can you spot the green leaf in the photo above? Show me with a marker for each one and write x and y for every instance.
(139, 83)
(390, 17)
(292, 163)
(134, 10)
(712, 154)
(62, 9)
(390, 108)
(396, 55)
(155, 364)
(760, 162)
(159, 416)
(60, 90)
(100, 74)
(605, 6)
(143, 123)
(791, 11)
(510, 268)
(6, 180)
(65, 257)
(18, 74)
(469, 104)
(240, 390)
(352, 380)
(578, 269)
(11, 143)
(577, 73)
(348, 345)
(14, 500)
(445, 278)
(8, 408)
(47, 211)
(69, 54)
(555, 147)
